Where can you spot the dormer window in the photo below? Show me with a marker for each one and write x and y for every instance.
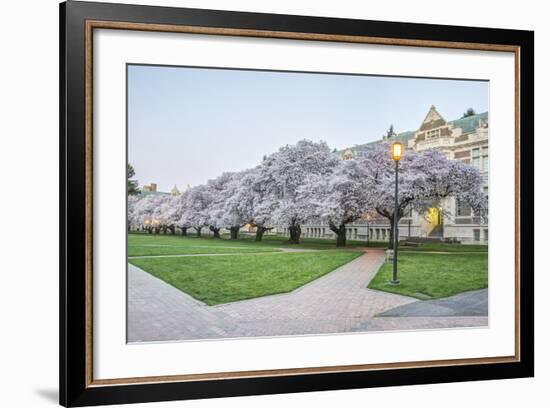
(432, 134)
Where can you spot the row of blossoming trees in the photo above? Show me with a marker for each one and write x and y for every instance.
(308, 182)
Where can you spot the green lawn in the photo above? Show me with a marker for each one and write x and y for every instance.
(222, 279)
(259, 269)
(432, 276)
(150, 244)
(442, 247)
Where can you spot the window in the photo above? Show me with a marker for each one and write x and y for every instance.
(475, 157)
(486, 235)
(485, 158)
(463, 209)
(480, 158)
(476, 235)
(430, 134)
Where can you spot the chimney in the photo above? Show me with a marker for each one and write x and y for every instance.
(153, 187)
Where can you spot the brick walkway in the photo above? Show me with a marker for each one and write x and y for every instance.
(158, 311)
(337, 302)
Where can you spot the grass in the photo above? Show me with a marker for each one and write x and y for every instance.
(150, 244)
(259, 269)
(433, 276)
(442, 247)
(222, 279)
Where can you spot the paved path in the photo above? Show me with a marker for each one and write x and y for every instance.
(421, 323)
(468, 309)
(472, 303)
(337, 302)
(158, 311)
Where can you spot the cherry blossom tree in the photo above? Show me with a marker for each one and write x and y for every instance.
(425, 179)
(217, 192)
(263, 206)
(284, 171)
(131, 211)
(306, 182)
(194, 209)
(256, 201)
(339, 198)
(143, 213)
(239, 200)
(182, 222)
(166, 213)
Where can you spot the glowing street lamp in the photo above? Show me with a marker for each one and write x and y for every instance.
(396, 153)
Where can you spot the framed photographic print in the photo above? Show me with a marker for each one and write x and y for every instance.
(256, 203)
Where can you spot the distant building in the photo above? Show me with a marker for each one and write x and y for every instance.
(464, 139)
(151, 189)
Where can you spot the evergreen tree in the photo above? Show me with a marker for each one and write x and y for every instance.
(390, 133)
(132, 185)
(469, 112)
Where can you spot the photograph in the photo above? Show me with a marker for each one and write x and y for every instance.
(256, 203)
(264, 203)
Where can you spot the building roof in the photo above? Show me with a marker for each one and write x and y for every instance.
(468, 125)
(432, 120)
(143, 192)
(403, 137)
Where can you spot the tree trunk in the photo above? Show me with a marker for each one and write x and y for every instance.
(183, 231)
(295, 232)
(172, 229)
(216, 232)
(340, 232)
(391, 217)
(157, 230)
(260, 232)
(149, 230)
(164, 228)
(198, 229)
(234, 231)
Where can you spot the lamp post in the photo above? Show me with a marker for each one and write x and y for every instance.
(396, 153)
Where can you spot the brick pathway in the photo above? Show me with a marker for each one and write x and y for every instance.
(337, 302)
(158, 311)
